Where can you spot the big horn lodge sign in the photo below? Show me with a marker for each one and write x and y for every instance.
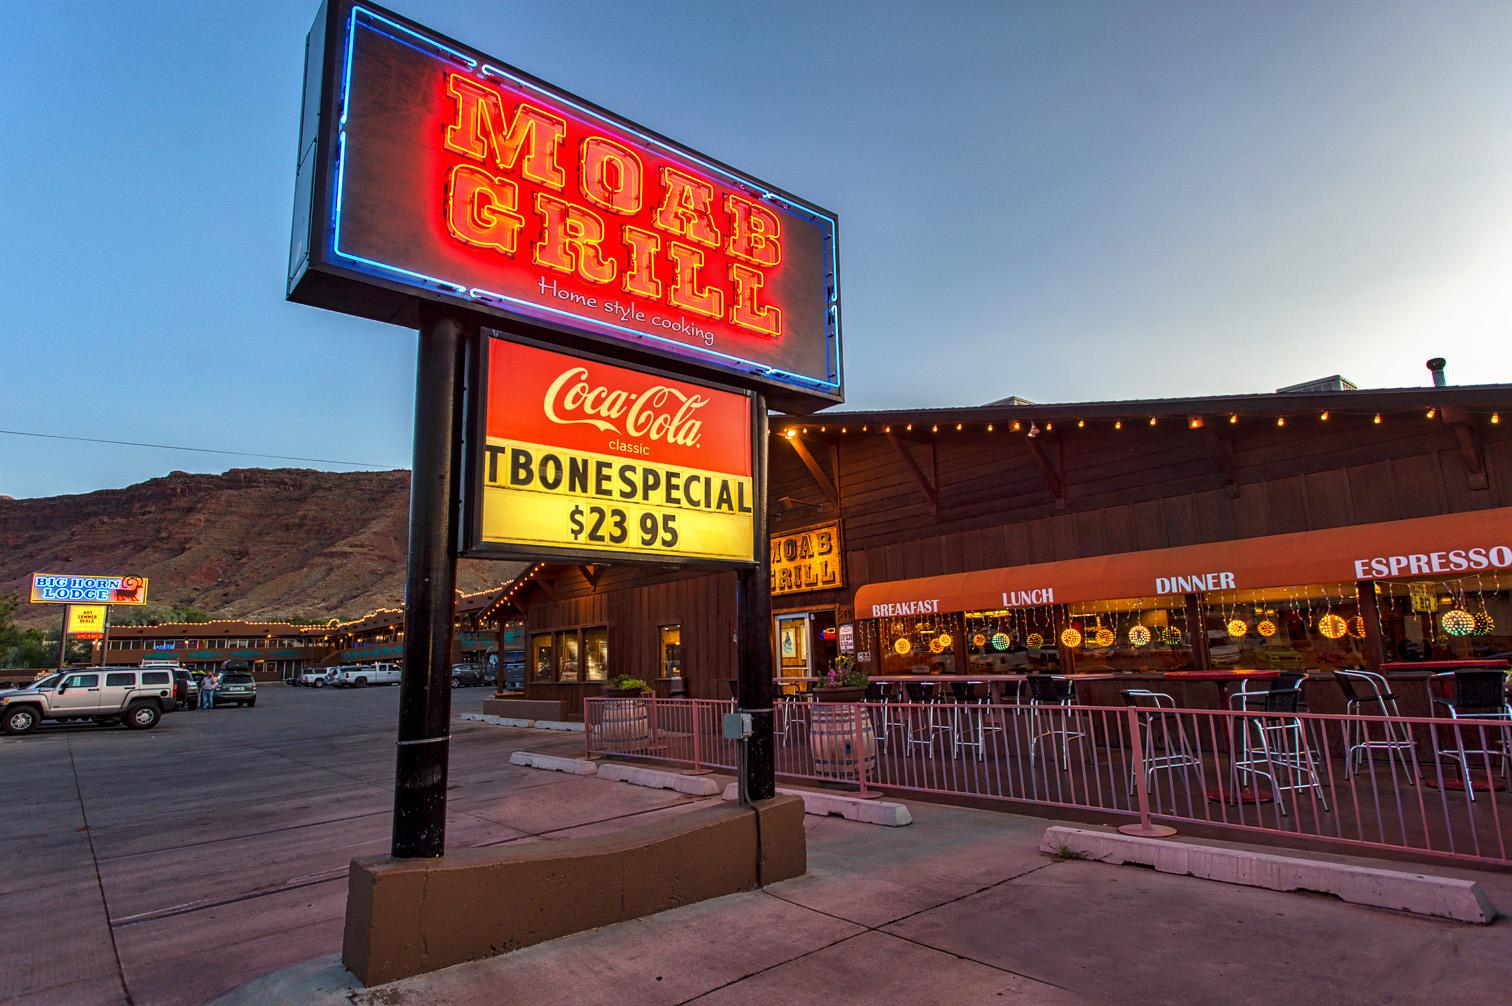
(429, 170)
(581, 457)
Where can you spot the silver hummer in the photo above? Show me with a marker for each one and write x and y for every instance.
(137, 697)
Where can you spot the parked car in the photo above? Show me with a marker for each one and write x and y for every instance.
(317, 677)
(362, 675)
(109, 696)
(514, 677)
(468, 676)
(237, 688)
(185, 688)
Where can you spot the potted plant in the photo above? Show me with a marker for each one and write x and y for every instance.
(625, 687)
(843, 682)
(841, 738)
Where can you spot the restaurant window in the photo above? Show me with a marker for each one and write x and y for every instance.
(919, 645)
(1304, 628)
(1467, 618)
(669, 650)
(596, 654)
(542, 662)
(567, 655)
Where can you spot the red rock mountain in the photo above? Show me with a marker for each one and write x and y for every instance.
(252, 543)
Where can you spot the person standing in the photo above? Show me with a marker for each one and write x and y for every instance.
(208, 685)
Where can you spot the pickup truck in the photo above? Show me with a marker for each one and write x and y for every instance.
(362, 675)
(109, 696)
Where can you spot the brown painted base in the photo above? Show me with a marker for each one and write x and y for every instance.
(406, 917)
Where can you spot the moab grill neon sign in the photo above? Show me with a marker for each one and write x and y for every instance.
(430, 170)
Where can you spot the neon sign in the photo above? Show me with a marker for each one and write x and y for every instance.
(431, 171)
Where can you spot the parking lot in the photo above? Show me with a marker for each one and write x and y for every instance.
(174, 864)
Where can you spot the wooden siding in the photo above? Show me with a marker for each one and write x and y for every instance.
(1136, 488)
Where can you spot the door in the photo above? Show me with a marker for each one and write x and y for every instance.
(793, 648)
(79, 694)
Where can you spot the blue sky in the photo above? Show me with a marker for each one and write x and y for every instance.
(1065, 201)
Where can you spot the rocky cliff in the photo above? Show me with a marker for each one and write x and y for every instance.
(252, 543)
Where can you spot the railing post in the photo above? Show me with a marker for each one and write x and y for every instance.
(1145, 828)
(697, 725)
(588, 729)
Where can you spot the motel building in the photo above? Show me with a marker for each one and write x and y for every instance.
(278, 651)
(1112, 543)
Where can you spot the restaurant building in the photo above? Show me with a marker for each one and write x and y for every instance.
(1306, 529)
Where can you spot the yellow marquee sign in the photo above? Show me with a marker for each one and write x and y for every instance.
(86, 621)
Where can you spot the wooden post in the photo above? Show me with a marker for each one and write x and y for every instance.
(1202, 658)
(1374, 646)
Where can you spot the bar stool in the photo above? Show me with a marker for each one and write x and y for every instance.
(1275, 742)
(1366, 689)
(968, 719)
(790, 715)
(1157, 714)
(881, 695)
(926, 694)
(1478, 695)
(1046, 691)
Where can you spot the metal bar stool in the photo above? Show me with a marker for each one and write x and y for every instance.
(885, 718)
(1367, 690)
(1157, 715)
(927, 694)
(1278, 743)
(1477, 695)
(968, 719)
(1045, 692)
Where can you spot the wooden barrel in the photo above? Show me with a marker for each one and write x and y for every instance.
(623, 725)
(834, 729)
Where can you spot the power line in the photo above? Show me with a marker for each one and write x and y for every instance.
(195, 450)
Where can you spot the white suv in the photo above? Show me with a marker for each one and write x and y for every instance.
(362, 675)
(107, 695)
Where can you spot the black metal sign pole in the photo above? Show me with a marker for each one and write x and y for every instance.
(753, 607)
(425, 690)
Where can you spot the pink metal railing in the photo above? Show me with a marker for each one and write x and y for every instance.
(1274, 773)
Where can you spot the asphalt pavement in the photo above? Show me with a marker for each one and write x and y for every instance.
(171, 865)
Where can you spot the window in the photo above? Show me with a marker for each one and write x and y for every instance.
(122, 680)
(669, 657)
(567, 655)
(83, 681)
(543, 667)
(596, 654)
(154, 677)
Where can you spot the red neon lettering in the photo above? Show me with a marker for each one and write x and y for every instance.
(754, 232)
(571, 240)
(686, 292)
(687, 210)
(480, 209)
(611, 176)
(745, 311)
(640, 275)
(480, 126)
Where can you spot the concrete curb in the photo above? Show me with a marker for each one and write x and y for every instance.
(883, 812)
(553, 763)
(510, 721)
(1418, 893)
(692, 785)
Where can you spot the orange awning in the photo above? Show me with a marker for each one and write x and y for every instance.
(1444, 547)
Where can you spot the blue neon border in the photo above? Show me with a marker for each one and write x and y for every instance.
(433, 47)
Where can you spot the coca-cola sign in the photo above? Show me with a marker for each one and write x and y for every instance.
(582, 458)
(661, 412)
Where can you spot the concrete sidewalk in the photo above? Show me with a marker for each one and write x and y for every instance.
(960, 907)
